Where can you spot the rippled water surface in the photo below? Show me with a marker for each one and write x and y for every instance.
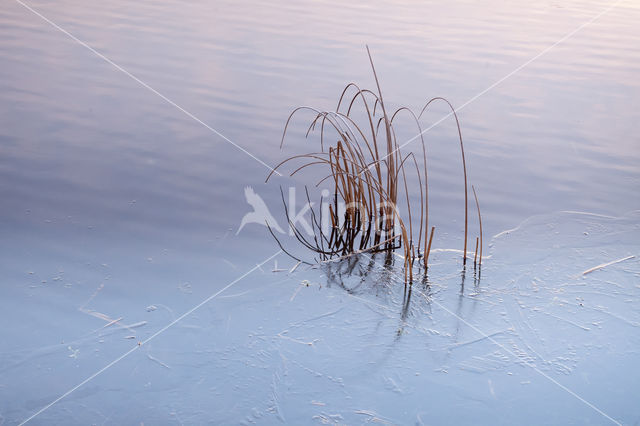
(129, 132)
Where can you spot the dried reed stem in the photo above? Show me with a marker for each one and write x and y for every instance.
(367, 172)
(479, 221)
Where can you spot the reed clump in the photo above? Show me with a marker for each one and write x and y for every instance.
(370, 209)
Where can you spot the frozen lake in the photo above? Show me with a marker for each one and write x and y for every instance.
(128, 295)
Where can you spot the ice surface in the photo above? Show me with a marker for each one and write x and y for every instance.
(529, 339)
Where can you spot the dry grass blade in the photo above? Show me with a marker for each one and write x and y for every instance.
(368, 173)
(479, 224)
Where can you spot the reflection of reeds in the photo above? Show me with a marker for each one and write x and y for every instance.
(368, 172)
